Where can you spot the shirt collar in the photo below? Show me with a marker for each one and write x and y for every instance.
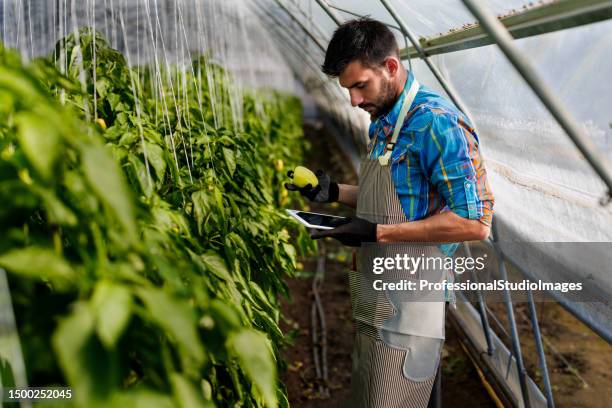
(391, 117)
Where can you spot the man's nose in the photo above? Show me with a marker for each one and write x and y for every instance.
(356, 99)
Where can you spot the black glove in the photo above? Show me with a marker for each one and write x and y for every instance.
(356, 231)
(326, 192)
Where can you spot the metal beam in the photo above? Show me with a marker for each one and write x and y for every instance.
(299, 22)
(314, 27)
(327, 86)
(545, 18)
(290, 43)
(329, 11)
(503, 381)
(516, 343)
(481, 305)
(500, 35)
(584, 316)
(533, 317)
(434, 70)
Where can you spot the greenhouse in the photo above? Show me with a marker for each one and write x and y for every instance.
(306, 203)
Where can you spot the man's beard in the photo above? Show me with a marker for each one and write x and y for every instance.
(384, 103)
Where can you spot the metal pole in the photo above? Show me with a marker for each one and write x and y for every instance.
(289, 43)
(585, 317)
(330, 12)
(434, 70)
(516, 345)
(302, 25)
(550, 402)
(534, 19)
(505, 42)
(317, 30)
(332, 91)
(481, 306)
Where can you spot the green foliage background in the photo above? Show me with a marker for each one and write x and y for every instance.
(145, 260)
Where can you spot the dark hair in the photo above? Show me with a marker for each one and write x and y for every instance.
(366, 40)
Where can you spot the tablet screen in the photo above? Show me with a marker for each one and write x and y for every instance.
(322, 220)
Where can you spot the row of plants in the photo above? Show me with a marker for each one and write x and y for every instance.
(142, 235)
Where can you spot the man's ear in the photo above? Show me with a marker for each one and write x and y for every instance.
(393, 65)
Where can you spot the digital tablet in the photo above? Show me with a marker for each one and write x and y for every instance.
(318, 221)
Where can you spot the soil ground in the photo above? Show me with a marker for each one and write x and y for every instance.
(578, 360)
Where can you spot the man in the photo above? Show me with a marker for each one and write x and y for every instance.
(422, 181)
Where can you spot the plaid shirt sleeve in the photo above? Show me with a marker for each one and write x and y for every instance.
(452, 161)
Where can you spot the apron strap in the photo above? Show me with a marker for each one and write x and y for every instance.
(414, 88)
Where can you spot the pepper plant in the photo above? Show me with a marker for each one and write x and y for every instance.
(143, 237)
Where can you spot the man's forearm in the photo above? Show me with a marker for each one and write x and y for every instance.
(443, 227)
(347, 194)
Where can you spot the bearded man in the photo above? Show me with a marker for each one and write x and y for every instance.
(423, 185)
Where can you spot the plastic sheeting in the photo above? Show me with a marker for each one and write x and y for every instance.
(158, 34)
(543, 186)
(544, 189)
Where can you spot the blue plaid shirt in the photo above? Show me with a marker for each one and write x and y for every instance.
(436, 164)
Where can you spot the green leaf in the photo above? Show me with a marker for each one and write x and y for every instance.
(128, 138)
(38, 262)
(201, 208)
(23, 86)
(263, 299)
(88, 369)
(141, 398)
(290, 251)
(40, 142)
(141, 174)
(252, 349)
(225, 315)
(216, 265)
(112, 304)
(57, 212)
(7, 379)
(230, 160)
(102, 86)
(186, 394)
(177, 318)
(155, 156)
(105, 178)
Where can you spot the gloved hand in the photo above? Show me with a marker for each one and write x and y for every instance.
(353, 233)
(326, 192)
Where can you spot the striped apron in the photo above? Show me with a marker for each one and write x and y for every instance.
(399, 334)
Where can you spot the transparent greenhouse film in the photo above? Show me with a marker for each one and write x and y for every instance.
(429, 19)
(544, 189)
(525, 145)
(174, 32)
(305, 58)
